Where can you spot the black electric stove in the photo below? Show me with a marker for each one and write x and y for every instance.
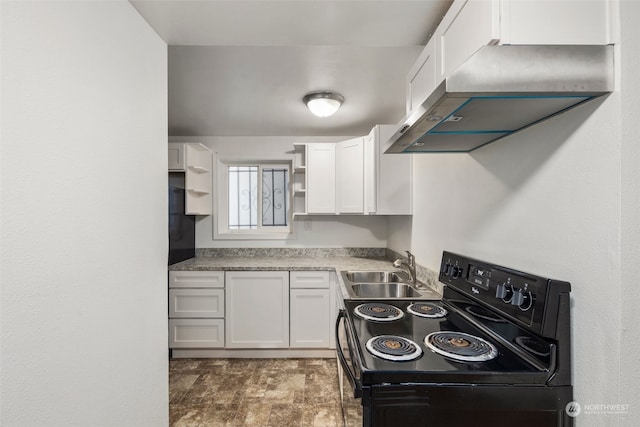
(495, 351)
(435, 367)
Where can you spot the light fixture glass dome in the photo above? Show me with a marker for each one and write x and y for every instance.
(323, 104)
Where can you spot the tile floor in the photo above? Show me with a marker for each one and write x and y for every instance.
(254, 392)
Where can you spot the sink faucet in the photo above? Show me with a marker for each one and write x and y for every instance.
(410, 263)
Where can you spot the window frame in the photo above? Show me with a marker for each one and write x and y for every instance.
(221, 230)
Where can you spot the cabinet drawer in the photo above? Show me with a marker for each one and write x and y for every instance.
(309, 279)
(198, 303)
(196, 333)
(196, 279)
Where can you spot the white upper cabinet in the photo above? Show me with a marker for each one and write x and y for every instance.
(471, 24)
(299, 184)
(388, 184)
(176, 157)
(195, 160)
(422, 79)
(576, 22)
(353, 177)
(321, 178)
(350, 175)
(370, 172)
(467, 26)
(198, 182)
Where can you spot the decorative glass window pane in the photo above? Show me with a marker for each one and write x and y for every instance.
(274, 197)
(243, 197)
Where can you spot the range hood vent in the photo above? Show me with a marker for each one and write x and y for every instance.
(501, 90)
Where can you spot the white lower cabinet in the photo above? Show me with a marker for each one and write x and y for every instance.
(257, 309)
(310, 318)
(310, 310)
(251, 310)
(196, 333)
(196, 309)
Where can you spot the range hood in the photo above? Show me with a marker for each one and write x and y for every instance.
(501, 90)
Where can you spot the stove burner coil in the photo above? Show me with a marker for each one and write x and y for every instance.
(482, 313)
(533, 346)
(461, 346)
(378, 312)
(427, 309)
(391, 347)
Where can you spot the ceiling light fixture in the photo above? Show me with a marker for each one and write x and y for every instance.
(322, 103)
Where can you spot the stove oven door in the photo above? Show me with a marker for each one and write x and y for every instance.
(350, 387)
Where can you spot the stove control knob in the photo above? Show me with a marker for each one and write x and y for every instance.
(457, 272)
(528, 301)
(517, 298)
(447, 269)
(501, 291)
(507, 293)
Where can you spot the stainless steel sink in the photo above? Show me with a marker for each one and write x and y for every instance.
(380, 284)
(376, 276)
(384, 290)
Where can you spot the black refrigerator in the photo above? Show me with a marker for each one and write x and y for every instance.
(182, 228)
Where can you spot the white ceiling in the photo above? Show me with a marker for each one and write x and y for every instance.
(242, 67)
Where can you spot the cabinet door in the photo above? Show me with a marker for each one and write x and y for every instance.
(176, 157)
(579, 22)
(393, 178)
(196, 333)
(370, 172)
(321, 178)
(350, 175)
(467, 26)
(421, 79)
(196, 303)
(257, 309)
(310, 314)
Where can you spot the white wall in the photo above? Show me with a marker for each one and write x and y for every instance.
(317, 231)
(629, 376)
(551, 200)
(83, 202)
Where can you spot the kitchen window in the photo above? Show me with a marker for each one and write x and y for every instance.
(254, 200)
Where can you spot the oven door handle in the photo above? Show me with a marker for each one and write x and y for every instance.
(357, 390)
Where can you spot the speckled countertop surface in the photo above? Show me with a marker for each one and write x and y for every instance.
(323, 263)
(282, 263)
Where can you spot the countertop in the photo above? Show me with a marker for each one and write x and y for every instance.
(337, 264)
(283, 263)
